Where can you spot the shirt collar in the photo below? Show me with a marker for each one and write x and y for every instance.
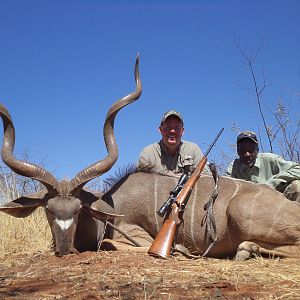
(165, 150)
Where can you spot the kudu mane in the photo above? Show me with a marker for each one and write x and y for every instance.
(119, 175)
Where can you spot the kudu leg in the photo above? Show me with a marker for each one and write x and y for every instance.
(111, 245)
(121, 243)
(246, 249)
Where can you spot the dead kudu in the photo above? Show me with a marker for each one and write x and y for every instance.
(249, 218)
(75, 225)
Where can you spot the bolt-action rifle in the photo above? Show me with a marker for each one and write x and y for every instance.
(161, 246)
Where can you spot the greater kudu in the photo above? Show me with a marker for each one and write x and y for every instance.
(75, 225)
(250, 218)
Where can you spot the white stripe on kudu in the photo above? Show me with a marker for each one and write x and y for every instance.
(252, 208)
(155, 203)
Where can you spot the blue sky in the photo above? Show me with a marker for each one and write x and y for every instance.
(63, 63)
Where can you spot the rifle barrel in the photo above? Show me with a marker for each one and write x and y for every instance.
(213, 143)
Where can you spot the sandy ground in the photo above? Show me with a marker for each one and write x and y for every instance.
(122, 275)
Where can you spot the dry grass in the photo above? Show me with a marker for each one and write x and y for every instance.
(24, 234)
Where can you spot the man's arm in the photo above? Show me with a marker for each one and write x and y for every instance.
(149, 161)
(287, 171)
(144, 163)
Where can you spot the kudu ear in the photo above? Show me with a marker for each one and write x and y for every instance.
(22, 207)
(25, 205)
(102, 211)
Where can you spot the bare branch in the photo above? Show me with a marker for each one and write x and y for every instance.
(258, 90)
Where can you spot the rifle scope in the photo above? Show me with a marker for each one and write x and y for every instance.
(173, 194)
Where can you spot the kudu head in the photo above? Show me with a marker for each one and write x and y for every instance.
(66, 202)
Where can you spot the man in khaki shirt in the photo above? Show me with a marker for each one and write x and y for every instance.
(171, 155)
(266, 168)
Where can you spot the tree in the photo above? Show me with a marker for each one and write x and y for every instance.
(13, 185)
(282, 129)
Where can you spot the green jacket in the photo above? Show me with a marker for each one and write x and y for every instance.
(156, 158)
(269, 168)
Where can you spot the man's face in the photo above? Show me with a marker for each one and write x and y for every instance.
(171, 131)
(247, 151)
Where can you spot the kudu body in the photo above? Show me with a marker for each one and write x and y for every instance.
(250, 218)
(75, 225)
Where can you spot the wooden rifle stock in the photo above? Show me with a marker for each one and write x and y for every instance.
(161, 246)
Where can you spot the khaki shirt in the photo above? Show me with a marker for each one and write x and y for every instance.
(157, 159)
(269, 168)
